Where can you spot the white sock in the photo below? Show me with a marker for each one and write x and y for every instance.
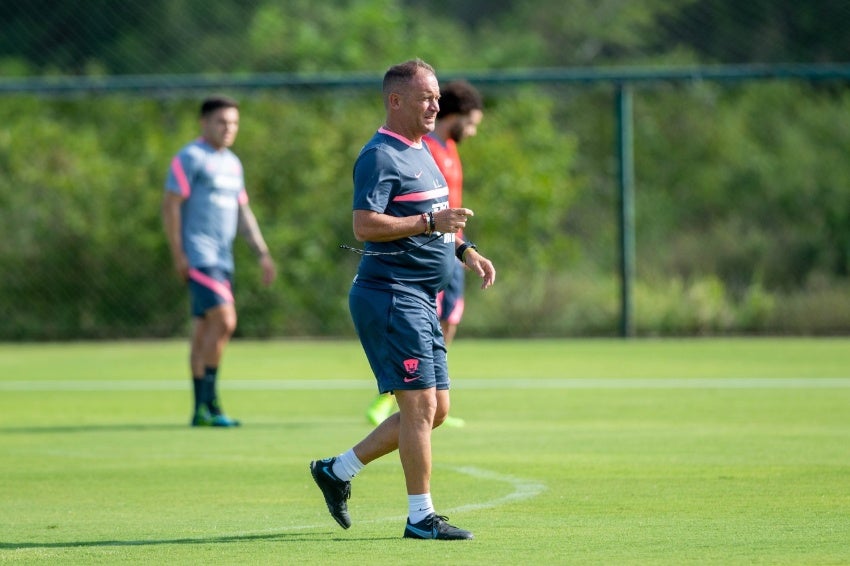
(347, 465)
(419, 507)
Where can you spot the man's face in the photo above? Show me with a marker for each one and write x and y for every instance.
(466, 126)
(219, 128)
(419, 103)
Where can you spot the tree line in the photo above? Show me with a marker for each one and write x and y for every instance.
(233, 36)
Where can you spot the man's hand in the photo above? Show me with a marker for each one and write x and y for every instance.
(451, 220)
(181, 266)
(269, 269)
(480, 265)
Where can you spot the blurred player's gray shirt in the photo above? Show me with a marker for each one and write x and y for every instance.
(213, 186)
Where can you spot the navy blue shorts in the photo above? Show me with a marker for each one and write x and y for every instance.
(450, 300)
(401, 337)
(209, 287)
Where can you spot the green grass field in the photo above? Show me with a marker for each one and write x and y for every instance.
(733, 451)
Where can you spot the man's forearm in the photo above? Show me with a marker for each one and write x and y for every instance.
(250, 230)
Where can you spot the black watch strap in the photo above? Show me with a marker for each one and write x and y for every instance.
(461, 249)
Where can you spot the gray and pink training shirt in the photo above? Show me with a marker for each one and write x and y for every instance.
(212, 185)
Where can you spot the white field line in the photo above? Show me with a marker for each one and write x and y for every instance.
(521, 489)
(492, 384)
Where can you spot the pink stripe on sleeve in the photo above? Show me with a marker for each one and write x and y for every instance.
(180, 175)
(424, 195)
(217, 287)
(243, 196)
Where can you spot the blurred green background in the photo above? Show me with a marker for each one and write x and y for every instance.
(742, 189)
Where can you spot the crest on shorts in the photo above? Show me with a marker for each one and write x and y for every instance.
(411, 365)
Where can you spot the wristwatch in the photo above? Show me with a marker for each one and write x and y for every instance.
(461, 249)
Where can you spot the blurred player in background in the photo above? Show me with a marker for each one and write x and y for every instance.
(461, 111)
(204, 206)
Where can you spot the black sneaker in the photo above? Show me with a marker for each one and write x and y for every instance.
(335, 490)
(435, 527)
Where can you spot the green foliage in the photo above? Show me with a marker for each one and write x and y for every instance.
(768, 31)
(343, 35)
(742, 199)
(327, 36)
(589, 31)
(522, 197)
(84, 215)
(517, 180)
(769, 192)
(76, 247)
(299, 174)
(748, 218)
(45, 37)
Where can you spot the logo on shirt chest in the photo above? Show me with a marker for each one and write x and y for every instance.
(224, 201)
(226, 182)
(224, 175)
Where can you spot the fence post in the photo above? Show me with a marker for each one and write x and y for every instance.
(626, 208)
